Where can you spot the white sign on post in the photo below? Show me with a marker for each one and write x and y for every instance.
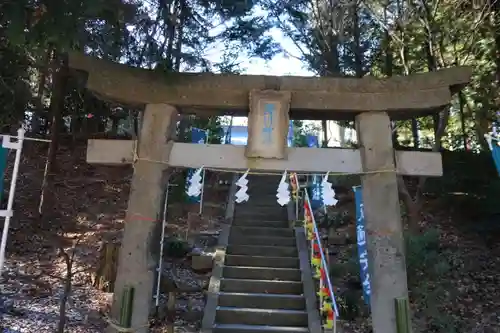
(7, 213)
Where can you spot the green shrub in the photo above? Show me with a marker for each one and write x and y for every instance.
(175, 247)
(469, 186)
(332, 219)
(350, 304)
(424, 255)
(350, 301)
(442, 323)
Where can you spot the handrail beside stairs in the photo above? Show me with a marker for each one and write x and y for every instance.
(327, 303)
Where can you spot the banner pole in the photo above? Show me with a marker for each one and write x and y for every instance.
(203, 179)
(202, 192)
(162, 245)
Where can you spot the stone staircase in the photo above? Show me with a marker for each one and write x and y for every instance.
(257, 283)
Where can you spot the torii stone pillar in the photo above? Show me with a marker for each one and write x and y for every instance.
(383, 224)
(136, 265)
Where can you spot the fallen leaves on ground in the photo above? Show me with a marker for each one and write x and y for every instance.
(87, 206)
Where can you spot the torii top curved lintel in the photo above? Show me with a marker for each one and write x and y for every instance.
(311, 97)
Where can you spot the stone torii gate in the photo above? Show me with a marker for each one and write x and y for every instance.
(269, 102)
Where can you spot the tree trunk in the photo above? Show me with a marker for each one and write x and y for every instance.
(414, 132)
(388, 70)
(481, 125)
(324, 128)
(461, 100)
(180, 35)
(36, 121)
(412, 205)
(358, 51)
(60, 81)
(435, 124)
(496, 19)
(57, 107)
(105, 275)
(114, 125)
(440, 120)
(184, 122)
(66, 291)
(170, 16)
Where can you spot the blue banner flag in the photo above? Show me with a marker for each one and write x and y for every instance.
(4, 153)
(316, 190)
(197, 136)
(312, 141)
(290, 134)
(495, 151)
(362, 247)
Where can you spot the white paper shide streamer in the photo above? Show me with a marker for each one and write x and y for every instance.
(242, 195)
(492, 139)
(328, 192)
(283, 193)
(195, 184)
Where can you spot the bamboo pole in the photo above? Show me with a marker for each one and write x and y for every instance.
(403, 321)
(126, 307)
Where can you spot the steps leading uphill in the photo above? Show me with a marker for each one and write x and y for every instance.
(259, 287)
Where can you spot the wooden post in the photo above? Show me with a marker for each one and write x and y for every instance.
(137, 264)
(383, 219)
(171, 312)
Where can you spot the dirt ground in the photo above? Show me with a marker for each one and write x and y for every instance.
(87, 207)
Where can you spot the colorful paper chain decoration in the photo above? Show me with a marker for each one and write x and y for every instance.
(316, 260)
(294, 186)
(328, 315)
(308, 222)
(326, 309)
(324, 293)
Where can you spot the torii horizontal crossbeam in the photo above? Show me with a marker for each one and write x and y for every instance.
(402, 97)
(313, 160)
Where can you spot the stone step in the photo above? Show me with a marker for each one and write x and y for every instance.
(268, 200)
(264, 177)
(256, 213)
(267, 192)
(265, 217)
(268, 203)
(262, 301)
(244, 221)
(261, 240)
(262, 273)
(261, 286)
(262, 231)
(259, 211)
(271, 317)
(236, 328)
(259, 250)
(268, 189)
(259, 261)
(264, 183)
(262, 199)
